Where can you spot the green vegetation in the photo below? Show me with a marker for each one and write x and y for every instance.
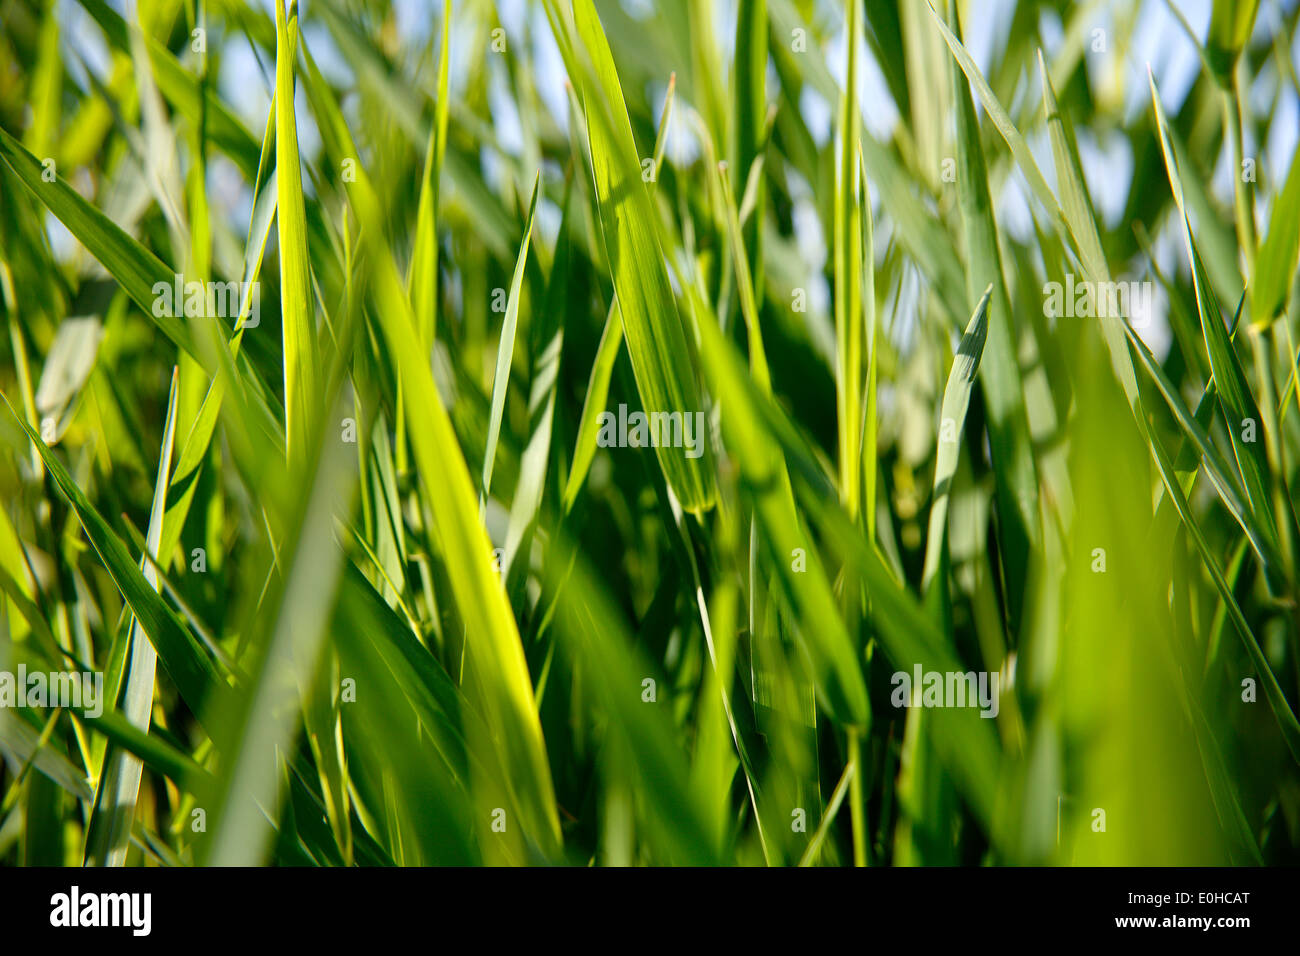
(388, 528)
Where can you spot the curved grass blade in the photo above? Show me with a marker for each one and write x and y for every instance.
(1281, 708)
(1220, 473)
(952, 419)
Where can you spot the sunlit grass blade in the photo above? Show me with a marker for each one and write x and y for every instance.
(300, 351)
(611, 337)
(422, 277)
(656, 336)
(506, 347)
(182, 89)
(848, 273)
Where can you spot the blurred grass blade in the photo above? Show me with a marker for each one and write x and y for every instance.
(1000, 379)
(1275, 267)
(839, 678)
(749, 82)
(1230, 25)
(1005, 126)
(292, 629)
(422, 278)
(610, 670)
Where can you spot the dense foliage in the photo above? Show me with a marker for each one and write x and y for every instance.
(557, 432)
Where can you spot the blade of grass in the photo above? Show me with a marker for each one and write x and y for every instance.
(1009, 438)
(496, 660)
(611, 338)
(300, 351)
(657, 343)
(422, 277)
(193, 673)
(848, 273)
(506, 348)
(1275, 267)
(952, 417)
(119, 786)
(1235, 398)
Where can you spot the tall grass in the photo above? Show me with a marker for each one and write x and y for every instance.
(376, 567)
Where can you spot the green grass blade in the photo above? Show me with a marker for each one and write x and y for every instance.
(656, 338)
(611, 337)
(848, 273)
(749, 93)
(838, 674)
(495, 661)
(135, 268)
(1230, 25)
(1235, 398)
(952, 419)
(293, 628)
(300, 350)
(1009, 438)
(1275, 266)
(422, 278)
(506, 348)
(119, 786)
(193, 673)
(1002, 120)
